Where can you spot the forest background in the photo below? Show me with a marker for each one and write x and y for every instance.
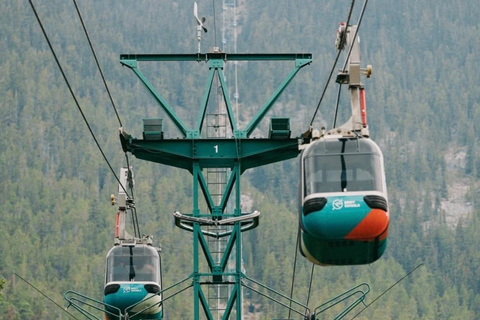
(423, 106)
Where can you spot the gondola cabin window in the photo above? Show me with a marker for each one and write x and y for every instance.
(344, 168)
(133, 264)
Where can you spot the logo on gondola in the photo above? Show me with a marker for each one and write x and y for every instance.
(131, 289)
(337, 204)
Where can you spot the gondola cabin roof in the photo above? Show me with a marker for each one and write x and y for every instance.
(340, 145)
(135, 250)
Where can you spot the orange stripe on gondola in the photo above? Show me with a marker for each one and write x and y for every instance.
(374, 225)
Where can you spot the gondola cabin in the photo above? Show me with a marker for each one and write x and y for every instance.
(133, 282)
(344, 208)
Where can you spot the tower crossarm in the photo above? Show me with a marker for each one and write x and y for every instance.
(212, 153)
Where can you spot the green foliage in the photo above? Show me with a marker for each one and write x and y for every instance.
(57, 223)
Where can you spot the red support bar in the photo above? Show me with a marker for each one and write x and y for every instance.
(117, 223)
(363, 107)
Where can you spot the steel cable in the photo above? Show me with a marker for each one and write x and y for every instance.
(71, 91)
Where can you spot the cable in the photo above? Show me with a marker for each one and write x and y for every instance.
(101, 73)
(310, 285)
(97, 62)
(393, 285)
(214, 25)
(333, 68)
(293, 275)
(129, 175)
(71, 91)
(336, 107)
(346, 60)
(136, 225)
(43, 294)
(356, 32)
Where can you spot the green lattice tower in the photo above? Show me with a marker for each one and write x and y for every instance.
(237, 154)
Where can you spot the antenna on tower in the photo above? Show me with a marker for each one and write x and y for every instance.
(199, 25)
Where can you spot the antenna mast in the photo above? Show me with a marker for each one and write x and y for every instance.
(200, 26)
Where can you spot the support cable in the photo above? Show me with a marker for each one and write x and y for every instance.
(333, 68)
(130, 178)
(136, 227)
(346, 60)
(43, 294)
(310, 285)
(336, 107)
(135, 223)
(214, 25)
(293, 274)
(73, 94)
(356, 32)
(393, 285)
(97, 62)
(92, 49)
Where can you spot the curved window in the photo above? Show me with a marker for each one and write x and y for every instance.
(129, 263)
(343, 173)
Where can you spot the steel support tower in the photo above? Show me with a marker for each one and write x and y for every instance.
(198, 155)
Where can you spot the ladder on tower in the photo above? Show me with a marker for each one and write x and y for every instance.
(218, 291)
